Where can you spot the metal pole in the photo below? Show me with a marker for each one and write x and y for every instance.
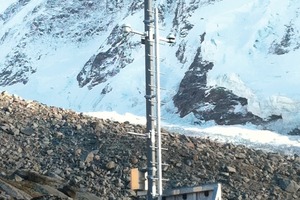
(148, 21)
(158, 126)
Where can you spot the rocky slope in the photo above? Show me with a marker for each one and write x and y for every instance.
(52, 153)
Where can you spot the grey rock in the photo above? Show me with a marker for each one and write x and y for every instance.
(49, 152)
(86, 196)
(111, 165)
(59, 135)
(230, 169)
(288, 185)
(37, 178)
(90, 157)
(134, 160)
(240, 156)
(18, 178)
(28, 131)
(13, 191)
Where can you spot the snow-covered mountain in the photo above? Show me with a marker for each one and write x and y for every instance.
(234, 62)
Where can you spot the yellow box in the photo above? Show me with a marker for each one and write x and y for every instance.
(138, 180)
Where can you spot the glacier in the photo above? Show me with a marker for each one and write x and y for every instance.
(48, 49)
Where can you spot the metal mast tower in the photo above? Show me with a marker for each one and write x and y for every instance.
(150, 129)
(152, 184)
(151, 39)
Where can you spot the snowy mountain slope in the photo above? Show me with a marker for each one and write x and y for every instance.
(233, 62)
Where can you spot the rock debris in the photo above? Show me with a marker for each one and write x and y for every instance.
(53, 153)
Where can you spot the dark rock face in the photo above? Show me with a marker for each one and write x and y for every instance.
(16, 61)
(52, 153)
(107, 63)
(211, 103)
(48, 21)
(183, 11)
(295, 131)
(286, 43)
(12, 10)
(193, 85)
(223, 110)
